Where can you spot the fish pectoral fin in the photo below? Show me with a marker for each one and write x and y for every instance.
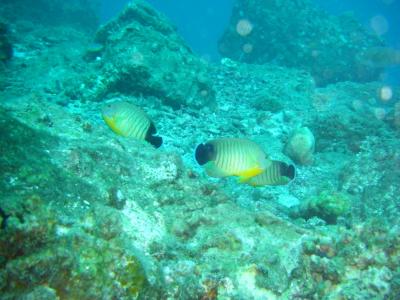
(112, 124)
(247, 174)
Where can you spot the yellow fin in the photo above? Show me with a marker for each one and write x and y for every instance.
(247, 174)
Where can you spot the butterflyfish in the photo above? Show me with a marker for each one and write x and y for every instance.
(232, 157)
(129, 120)
(278, 173)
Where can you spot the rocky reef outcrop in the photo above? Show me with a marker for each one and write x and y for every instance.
(6, 50)
(88, 214)
(296, 34)
(144, 55)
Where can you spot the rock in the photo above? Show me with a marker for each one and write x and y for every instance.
(6, 50)
(372, 175)
(327, 206)
(298, 35)
(93, 51)
(41, 292)
(300, 146)
(345, 114)
(143, 55)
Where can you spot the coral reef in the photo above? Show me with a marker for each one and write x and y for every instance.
(85, 213)
(347, 266)
(297, 34)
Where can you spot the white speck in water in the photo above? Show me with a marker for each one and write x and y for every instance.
(244, 27)
(379, 24)
(386, 93)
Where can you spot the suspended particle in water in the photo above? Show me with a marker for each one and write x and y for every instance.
(379, 24)
(204, 93)
(315, 53)
(137, 58)
(244, 27)
(385, 93)
(357, 105)
(247, 48)
(379, 113)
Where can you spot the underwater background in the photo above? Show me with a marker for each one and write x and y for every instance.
(233, 149)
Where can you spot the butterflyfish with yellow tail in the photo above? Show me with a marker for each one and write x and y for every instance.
(278, 173)
(231, 157)
(129, 120)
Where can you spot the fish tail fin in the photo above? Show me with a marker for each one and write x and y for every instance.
(287, 170)
(156, 141)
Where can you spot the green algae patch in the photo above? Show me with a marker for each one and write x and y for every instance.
(327, 205)
(54, 240)
(28, 168)
(37, 251)
(133, 278)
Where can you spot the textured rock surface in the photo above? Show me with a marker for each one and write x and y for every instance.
(368, 175)
(301, 146)
(6, 50)
(327, 205)
(296, 34)
(143, 55)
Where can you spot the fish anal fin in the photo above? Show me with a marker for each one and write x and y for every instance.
(247, 174)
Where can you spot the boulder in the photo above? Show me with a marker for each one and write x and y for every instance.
(296, 34)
